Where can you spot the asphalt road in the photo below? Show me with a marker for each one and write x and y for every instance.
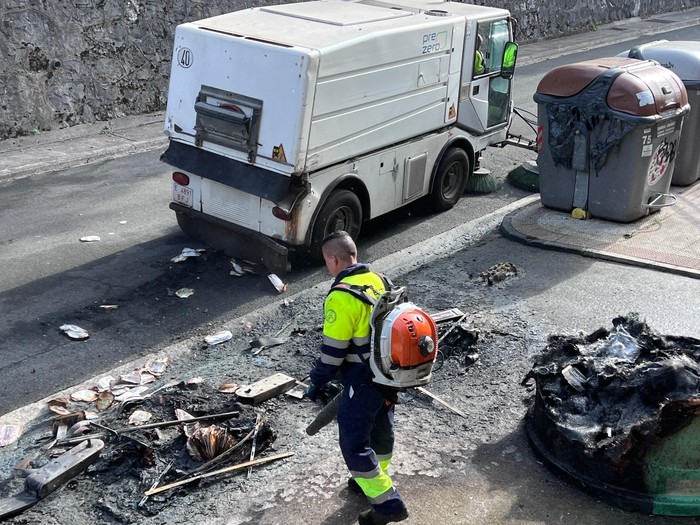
(50, 278)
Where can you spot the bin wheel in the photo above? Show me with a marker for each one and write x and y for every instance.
(450, 179)
(341, 211)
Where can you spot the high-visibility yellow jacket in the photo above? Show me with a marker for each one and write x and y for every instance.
(346, 330)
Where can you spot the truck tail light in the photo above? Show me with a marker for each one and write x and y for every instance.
(281, 214)
(181, 178)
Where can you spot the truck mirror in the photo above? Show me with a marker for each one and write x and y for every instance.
(510, 54)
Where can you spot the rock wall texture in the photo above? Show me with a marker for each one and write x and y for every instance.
(66, 62)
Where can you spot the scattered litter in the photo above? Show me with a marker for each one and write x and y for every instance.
(105, 383)
(195, 381)
(78, 429)
(87, 396)
(261, 343)
(218, 337)
(575, 378)
(186, 254)
(266, 388)
(147, 378)
(277, 283)
(206, 443)
(121, 389)
(58, 405)
(249, 266)
(157, 367)
(184, 293)
(59, 409)
(108, 307)
(43, 481)
(229, 388)
(498, 273)
(104, 401)
(459, 340)
(183, 416)
(9, 434)
(133, 378)
(90, 238)
(237, 269)
(122, 222)
(74, 332)
(67, 420)
(131, 394)
(619, 345)
(139, 417)
(297, 392)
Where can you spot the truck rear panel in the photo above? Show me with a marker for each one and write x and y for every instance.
(298, 87)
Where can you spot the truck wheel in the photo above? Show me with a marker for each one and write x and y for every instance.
(342, 211)
(450, 180)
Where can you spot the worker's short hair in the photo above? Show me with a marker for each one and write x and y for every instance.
(340, 244)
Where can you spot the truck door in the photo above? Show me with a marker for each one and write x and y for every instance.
(485, 95)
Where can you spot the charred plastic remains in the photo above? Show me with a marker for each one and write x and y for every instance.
(617, 411)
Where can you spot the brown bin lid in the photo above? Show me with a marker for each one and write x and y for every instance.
(645, 88)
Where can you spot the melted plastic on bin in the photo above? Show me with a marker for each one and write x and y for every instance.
(603, 401)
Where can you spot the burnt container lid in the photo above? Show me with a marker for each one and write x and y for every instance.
(643, 88)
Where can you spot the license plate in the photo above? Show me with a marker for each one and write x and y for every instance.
(182, 194)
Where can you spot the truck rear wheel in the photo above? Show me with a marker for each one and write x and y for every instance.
(341, 211)
(450, 179)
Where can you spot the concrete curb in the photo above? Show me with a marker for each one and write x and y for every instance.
(399, 263)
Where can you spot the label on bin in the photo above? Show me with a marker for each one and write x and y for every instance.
(647, 145)
(666, 129)
(660, 161)
(645, 98)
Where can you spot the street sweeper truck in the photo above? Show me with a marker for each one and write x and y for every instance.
(288, 122)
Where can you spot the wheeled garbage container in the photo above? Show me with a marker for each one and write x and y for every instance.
(608, 133)
(683, 58)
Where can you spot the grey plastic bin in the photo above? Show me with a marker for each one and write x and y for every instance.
(608, 135)
(683, 58)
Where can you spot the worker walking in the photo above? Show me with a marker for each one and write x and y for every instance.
(365, 410)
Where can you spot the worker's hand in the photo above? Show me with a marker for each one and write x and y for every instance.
(331, 390)
(312, 392)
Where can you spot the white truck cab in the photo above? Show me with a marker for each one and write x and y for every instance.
(292, 121)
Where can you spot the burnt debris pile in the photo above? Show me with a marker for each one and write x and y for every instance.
(224, 433)
(606, 404)
(142, 452)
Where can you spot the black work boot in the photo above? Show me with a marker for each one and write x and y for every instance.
(354, 487)
(372, 517)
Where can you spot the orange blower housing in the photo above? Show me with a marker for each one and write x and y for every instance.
(404, 345)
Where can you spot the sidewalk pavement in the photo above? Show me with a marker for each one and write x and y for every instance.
(668, 241)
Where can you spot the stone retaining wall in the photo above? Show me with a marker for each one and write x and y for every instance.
(67, 62)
